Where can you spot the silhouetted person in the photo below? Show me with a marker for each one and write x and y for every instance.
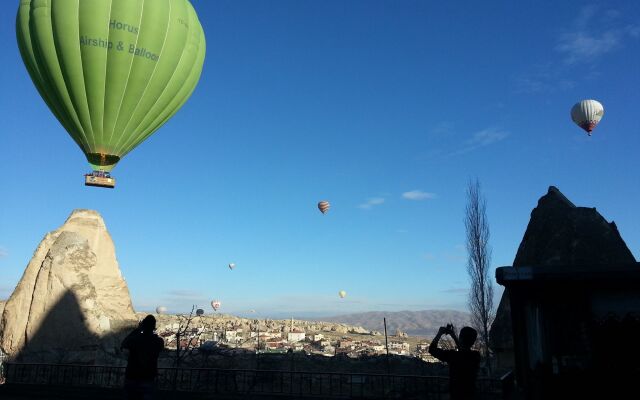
(463, 362)
(142, 366)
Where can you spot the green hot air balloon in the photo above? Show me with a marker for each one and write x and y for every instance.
(111, 71)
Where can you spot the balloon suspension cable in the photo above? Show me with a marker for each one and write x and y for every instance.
(100, 173)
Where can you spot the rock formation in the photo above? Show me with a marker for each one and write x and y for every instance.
(559, 233)
(71, 296)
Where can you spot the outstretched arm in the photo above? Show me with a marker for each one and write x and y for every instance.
(453, 335)
(433, 347)
(434, 343)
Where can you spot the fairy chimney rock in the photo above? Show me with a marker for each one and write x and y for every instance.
(560, 234)
(72, 292)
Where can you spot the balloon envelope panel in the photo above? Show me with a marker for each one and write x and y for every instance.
(587, 114)
(111, 71)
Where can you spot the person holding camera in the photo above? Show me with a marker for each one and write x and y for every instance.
(142, 365)
(463, 362)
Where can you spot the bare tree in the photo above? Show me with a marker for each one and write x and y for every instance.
(478, 264)
(187, 337)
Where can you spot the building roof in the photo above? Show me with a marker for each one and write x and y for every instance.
(628, 272)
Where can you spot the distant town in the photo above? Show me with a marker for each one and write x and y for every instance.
(226, 334)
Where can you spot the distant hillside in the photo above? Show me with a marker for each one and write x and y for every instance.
(415, 323)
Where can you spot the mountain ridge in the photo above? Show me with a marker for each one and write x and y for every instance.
(415, 323)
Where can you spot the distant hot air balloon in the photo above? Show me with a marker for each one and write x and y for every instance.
(161, 310)
(232, 266)
(215, 304)
(587, 114)
(342, 294)
(324, 206)
(111, 71)
(252, 311)
(199, 312)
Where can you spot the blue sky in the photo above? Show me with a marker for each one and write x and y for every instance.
(384, 108)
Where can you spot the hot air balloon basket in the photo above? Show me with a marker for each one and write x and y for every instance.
(99, 181)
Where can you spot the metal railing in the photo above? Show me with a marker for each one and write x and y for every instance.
(295, 384)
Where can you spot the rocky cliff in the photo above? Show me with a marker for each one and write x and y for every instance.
(71, 296)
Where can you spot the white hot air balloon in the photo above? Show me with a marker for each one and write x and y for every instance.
(342, 294)
(215, 304)
(161, 310)
(587, 114)
(232, 266)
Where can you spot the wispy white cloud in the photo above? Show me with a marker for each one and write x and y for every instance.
(457, 255)
(418, 195)
(486, 137)
(584, 46)
(183, 298)
(611, 15)
(480, 139)
(633, 31)
(184, 293)
(455, 258)
(543, 78)
(594, 33)
(586, 14)
(458, 143)
(372, 202)
(456, 290)
(429, 256)
(3, 252)
(443, 128)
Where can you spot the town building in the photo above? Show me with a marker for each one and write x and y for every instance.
(296, 335)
